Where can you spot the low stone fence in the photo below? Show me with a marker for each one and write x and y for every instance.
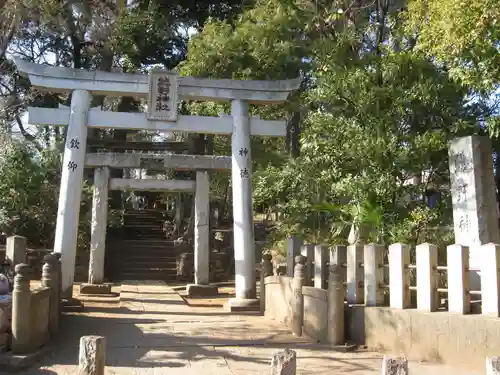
(430, 320)
(33, 313)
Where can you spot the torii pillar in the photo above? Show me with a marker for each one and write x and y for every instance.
(243, 228)
(70, 192)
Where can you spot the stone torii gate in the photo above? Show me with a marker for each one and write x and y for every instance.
(102, 162)
(163, 90)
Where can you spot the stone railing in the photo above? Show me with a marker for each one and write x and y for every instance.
(35, 312)
(32, 313)
(17, 249)
(391, 304)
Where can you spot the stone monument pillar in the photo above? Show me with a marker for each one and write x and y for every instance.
(473, 191)
(202, 229)
(244, 253)
(99, 225)
(71, 187)
(98, 235)
(201, 285)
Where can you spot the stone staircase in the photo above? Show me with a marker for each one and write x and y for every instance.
(143, 252)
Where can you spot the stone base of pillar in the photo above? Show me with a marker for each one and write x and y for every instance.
(243, 304)
(16, 362)
(95, 289)
(71, 305)
(343, 348)
(198, 290)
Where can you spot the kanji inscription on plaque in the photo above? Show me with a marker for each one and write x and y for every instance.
(162, 101)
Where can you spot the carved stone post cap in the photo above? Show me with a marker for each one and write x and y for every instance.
(23, 269)
(50, 259)
(300, 259)
(266, 257)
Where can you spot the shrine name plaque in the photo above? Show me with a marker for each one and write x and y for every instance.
(163, 93)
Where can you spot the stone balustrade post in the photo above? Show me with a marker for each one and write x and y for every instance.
(492, 365)
(355, 274)
(336, 297)
(490, 280)
(294, 244)
(427, 261)
(299, 280)
(338, 256)
(16, 250)
(374, 274)
(21, 310)
(394, 366)
(307, 251)
(284, 363)
(399, 276)
(320, 271)
(266, 269)
(458, 279)
(50, 279)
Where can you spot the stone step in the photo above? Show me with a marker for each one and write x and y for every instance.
(144, 236)
(132, 276)
(153, 240)
(144, 273)
(142, 257)
(117, 248)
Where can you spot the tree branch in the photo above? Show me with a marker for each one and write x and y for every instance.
(25, 134)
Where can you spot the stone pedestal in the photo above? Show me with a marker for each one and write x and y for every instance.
(70, 193)
(202, 290)
(241, 175)
(243, 304)
(473, 191)
(98, 289)
(99, 225)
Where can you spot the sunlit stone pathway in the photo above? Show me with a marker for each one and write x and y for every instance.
(151, 330)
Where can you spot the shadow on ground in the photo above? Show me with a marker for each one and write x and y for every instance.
(175, 339)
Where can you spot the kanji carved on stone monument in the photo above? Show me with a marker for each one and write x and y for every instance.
(162, 101)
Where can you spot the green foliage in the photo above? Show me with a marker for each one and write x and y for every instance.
(30, 186)
(464, 35)
(373, 131)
